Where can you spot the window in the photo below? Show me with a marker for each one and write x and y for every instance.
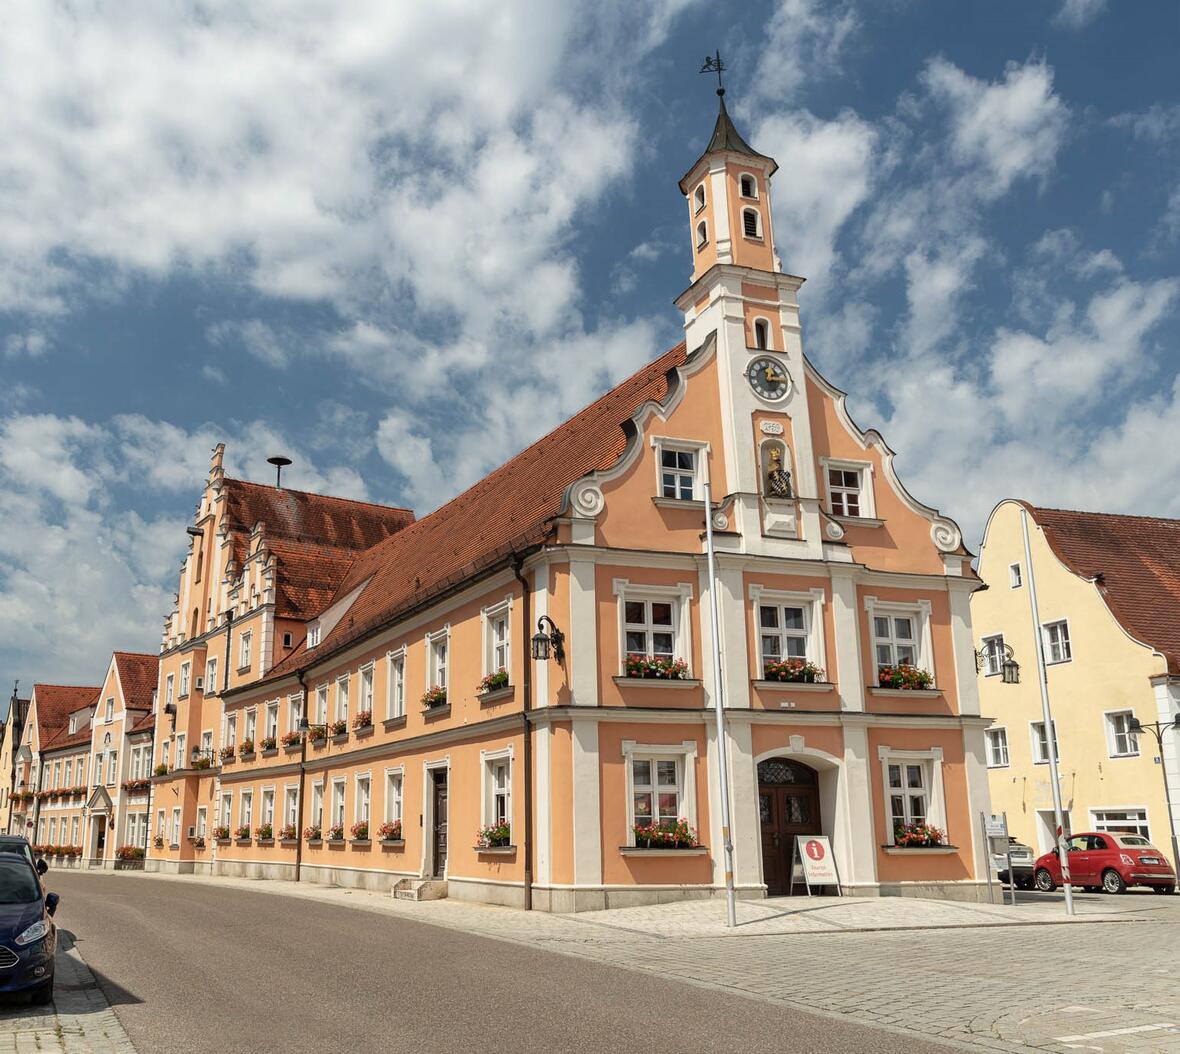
(53, 830)
(997, 747)
(699, 196)
(436, 651)
(702, 235)
(1122, 821)
(317, 804)
(993, 655)
(231, 730)
(207, 744)
(227, 803)
(749, 186)
(291, 806)
(174, 840)
(185, 677)
(1040, 743)
(783, 633)
(313, 635)
(161, 826)
(1120, 740)
(180, 756)
(112, 768)
(272, 720)
(98, 767)
(649, 628)
(244, 650)
(363, 789)
(246, 809)
(169, 692)
(1056, 637)
(211, 676)
(366, 700)
(286, 640)
(73, 723)
(294, 712)
(656, 788)
(202, 821)
(393, 796)
(678, 473)
(761, 334)
(338, 803)
(109, 711)
(1015, 578)
(751, 223)
(268, 807)
(251, 725)
(907, 794)
(56, 775)
(74, 831)
(844, 491)
(342, 699)
(69, 780)
(894, 642)
(321, 705)
(396, 701)
(164, 752)
(496, 654)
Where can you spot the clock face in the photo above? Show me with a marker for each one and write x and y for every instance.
(769, 378)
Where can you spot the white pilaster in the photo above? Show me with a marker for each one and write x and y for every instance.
(583, 633)
(587, 819)
(855, 844)
(849, 664)
(978, 795)
(963, 641)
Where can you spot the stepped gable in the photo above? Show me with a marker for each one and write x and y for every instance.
(506, 511)
(1135, 561)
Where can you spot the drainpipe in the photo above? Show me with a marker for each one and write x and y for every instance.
(302, 780)
(527, 752)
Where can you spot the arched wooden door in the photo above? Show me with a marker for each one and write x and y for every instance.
(788, 805)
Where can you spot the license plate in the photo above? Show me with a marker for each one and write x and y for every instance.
(1150, 860)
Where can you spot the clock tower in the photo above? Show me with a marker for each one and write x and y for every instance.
(738, 292)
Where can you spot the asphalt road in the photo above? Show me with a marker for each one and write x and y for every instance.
(203, 968)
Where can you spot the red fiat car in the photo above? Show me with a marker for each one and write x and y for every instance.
(1108, 861)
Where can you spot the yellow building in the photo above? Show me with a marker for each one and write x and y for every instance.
(1110, 621)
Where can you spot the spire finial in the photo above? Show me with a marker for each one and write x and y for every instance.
(713, 64)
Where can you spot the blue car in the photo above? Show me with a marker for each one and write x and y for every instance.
(28, 936)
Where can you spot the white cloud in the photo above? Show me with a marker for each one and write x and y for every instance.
(259, 338)
(1074, 14)
(1159, 123)
(803, 44)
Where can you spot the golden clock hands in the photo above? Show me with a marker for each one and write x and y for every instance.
(772, 377)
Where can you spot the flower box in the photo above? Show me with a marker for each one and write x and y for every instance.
(497, 695)
(201, 764)
(793, 670)
(313, 833)
(269, 753)
(130, 852)
(288, 843)
(268, 743)
(338, 728)
(495, 850)
(664, 834)
(243, 832)
(246, 746)
(360, 831)
(160, 770)
(264, 842)
(221, 841)
(226, 753)
(137, 786)
(292, 740)
(341, 738)
(647, 668)
(289, 833)
(361, 843)
(904, 678)
(363, 721)
(393, 843)
(434, 698)
(495, 836)
(918, 836)
(336, 834)
(265, 830)
(197, 842)
(434, 712)
(493, 682)
(394, 723)
(318, 734)
(390, 831)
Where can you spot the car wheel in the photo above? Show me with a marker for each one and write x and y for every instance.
(1044, 881)
(1164, 890)
(1112, 882)
(43, 993)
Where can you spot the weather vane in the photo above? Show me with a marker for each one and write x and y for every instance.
(713, 64)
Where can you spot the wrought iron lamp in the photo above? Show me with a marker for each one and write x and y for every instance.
(545, 643)
(1157, 729)
(1009, 667)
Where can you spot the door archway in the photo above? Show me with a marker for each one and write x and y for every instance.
(788, 807)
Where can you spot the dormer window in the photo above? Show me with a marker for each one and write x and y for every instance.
(678, 473)
(699, 197)
(702, 235)
(751, 223)
(850, 488)
(313, 635)
(761, 334)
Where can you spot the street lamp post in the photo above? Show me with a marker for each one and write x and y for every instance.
(1156, 728)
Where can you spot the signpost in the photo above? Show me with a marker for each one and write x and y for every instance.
(995, 833)
(812, 860)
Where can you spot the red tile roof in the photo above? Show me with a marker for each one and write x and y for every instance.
(1136, 563)
(138, 674)
(55, 703)
(507, 511)
(145, 723)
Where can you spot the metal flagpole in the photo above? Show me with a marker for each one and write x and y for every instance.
(1050, 734)
(719, 705)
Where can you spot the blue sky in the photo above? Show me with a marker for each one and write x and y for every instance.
(398, 245)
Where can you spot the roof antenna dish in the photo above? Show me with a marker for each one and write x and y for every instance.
(278, 461)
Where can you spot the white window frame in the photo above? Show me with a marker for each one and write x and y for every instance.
(1000, 735)
(363, 804)
(321, 704)
(339, 798)
(700, 197)
(211, 675)
(340, 704)
(747, 210)
(812, 603)
(868, 504)
(395, 684)
(231, 730)
(685, 753)
(488, 617)
(1097, 824)
(316, 815)
(170, 689)
(112, 767)
(1040, 757)
(764, 322)
(679, 596)
(245, 649)
(753, 180)
(1048, 645)
(246, 809)
(393, 805)
(931, 760)
(313, 635)
(700, 452)
(992, 649)
(225, 811)
(919, 611)
(202, 824)
(291, 807)
(268, 806)
(1015, 576)
(489, 759)
(433, 667)
(186, 678)
(181, 757)
(702, 235)
(250, 730)
(294, 711)
(174, 836)
(365, 702)
(74, 829)
(1108, 720)
(108, 714)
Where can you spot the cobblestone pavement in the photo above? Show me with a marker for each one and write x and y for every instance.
(79, 1022)
(978, 976)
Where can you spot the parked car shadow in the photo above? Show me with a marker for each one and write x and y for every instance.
(114, 992)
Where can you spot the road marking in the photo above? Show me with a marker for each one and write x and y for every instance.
(1113, 1032)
